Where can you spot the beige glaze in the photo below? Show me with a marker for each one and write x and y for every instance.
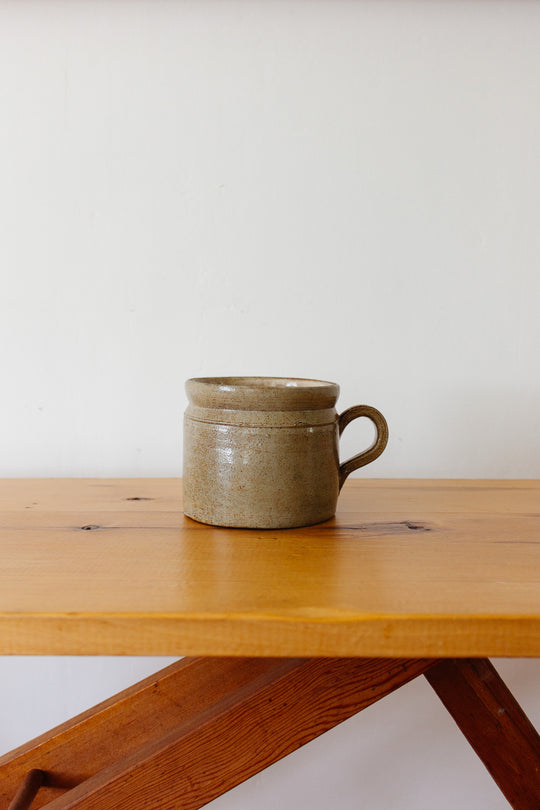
(262, 452)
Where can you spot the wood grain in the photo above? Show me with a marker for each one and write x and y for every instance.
(494, 724)
(81, 747)
(285, 706)
(405, 569)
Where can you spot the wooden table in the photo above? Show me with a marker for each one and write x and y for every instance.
(289, 632)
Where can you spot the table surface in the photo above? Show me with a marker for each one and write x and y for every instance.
(407, 568)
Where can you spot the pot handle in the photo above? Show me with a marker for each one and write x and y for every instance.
(373, 452)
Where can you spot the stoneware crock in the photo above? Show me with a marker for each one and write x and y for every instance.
(262, 452)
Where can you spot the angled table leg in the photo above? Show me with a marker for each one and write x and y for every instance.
(197, 729)
(494, 724)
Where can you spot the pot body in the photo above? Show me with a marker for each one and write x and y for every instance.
(261, 452)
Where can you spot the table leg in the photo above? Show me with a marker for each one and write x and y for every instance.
(202, 726)
(198, 728)
(494, 724)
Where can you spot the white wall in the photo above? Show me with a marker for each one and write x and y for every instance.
(344, 189)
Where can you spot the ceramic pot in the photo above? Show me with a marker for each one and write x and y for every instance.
(262, 452)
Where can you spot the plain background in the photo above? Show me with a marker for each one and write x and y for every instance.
(345, 189)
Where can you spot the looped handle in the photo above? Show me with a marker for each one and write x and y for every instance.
(373, 452)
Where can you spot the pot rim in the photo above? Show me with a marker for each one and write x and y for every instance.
(262, 393)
